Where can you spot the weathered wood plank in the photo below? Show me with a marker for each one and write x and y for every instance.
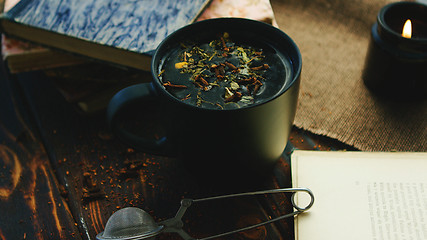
(102, 175)
(31, 204)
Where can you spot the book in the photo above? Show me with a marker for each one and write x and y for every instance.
(120, 32)
(22, 56)
(362, 195)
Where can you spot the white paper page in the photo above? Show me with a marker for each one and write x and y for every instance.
(359, 195)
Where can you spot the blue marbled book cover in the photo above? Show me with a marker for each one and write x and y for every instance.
(135, 25)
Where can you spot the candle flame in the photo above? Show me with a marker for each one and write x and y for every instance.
(407, 29)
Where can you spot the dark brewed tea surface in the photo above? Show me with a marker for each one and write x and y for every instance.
(224, 74)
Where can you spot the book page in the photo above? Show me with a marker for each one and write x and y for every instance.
(361, 195)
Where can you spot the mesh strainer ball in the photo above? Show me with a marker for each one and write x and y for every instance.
(130, 223)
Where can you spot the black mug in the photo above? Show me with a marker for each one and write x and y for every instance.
(231, 143)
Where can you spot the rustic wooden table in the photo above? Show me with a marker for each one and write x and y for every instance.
(62, 174)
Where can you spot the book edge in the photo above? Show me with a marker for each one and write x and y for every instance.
(294, 181)
(65, 43)
(363, 154)
(17, 62)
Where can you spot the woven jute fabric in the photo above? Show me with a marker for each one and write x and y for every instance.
(333, 37)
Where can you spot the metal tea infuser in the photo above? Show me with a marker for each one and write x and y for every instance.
(134, 223)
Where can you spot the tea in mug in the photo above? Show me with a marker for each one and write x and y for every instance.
(225, 74)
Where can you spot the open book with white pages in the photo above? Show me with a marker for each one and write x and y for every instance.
(362, 195)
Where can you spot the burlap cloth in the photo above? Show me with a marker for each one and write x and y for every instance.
(333, 37)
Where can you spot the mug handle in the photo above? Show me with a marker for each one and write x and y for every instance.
(143, 92)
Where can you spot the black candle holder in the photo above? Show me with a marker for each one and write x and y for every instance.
(396, 66)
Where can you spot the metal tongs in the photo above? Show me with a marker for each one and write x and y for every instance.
(135, 223)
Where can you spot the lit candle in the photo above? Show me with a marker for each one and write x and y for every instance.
(396, 61)
(407, 29)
